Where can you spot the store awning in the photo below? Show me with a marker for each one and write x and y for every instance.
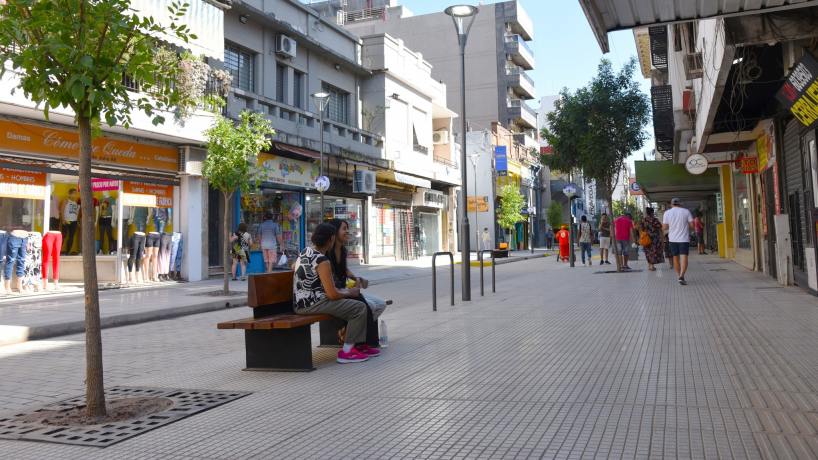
(663, 180)
(610, 15)
(291, 150)
(412, 180)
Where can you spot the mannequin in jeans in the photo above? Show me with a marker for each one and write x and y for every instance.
(15, 260)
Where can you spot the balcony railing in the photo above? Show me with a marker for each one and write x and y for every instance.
(513, 70)
(421, 149)
(366, 14)
(514, 38)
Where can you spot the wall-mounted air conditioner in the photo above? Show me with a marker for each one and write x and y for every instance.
(285, 46)
(364, 182)
(440, 137)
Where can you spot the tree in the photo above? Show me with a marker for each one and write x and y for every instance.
(511, 206)
(595, 128)
(74, 54)
(554, 214)
(232, 152)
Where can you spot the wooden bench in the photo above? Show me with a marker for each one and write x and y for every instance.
(275, 338)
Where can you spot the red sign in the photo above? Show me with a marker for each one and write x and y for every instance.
(748, 165)
(546, 150)
(104, 185)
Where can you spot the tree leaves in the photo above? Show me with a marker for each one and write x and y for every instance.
(511, 206)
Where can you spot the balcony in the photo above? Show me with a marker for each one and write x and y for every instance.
(521, 83)
(519, 22)
(519, 52)
(527, 139)
(521, 114)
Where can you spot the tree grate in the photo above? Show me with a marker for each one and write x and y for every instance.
(614, 271)
(185, 404)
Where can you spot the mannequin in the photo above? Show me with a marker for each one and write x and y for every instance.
(161, 217)
(52, 242)
(136, 258)
(163, 264)
(105, 223)
(69, 215)
(140, 218)
(152, 256)
(15, 259)
(33, 263)
(4, 239)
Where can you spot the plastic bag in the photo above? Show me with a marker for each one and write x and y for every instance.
(376, 304)
(283, 260)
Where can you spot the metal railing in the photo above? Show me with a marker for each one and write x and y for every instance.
(434, 276)
(493, 277)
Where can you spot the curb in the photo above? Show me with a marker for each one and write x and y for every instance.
(19, 334)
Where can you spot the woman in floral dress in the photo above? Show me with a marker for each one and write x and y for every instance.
(654, 252)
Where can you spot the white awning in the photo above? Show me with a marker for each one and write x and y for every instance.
(412, 180)
(610, 15)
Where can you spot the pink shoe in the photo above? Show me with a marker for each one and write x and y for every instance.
(352, 356)
(369, 351)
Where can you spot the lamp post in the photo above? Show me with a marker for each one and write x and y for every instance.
(473, 157)
(321, 99)
(463, 18)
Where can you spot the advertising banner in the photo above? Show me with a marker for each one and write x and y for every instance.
(800, 91)
(501, 160)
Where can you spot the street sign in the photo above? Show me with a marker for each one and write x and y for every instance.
(322, 183)
(696, 164)
(570, 190)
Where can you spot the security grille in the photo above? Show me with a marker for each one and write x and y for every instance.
(663, 125)
(658, 47)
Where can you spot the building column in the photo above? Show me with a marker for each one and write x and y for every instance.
(192, 217)
(725, 228)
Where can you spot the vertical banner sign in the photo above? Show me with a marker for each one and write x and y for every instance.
(501, 160)
(800, 91)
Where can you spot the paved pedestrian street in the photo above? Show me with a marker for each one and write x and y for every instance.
(559, 363)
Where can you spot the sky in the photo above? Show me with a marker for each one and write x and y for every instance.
(565, 49)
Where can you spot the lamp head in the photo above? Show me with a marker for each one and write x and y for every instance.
(320, 99)
(463, 17)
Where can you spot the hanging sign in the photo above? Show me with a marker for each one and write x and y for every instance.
(15, 183)
(280, 170)
(719, 208)
(570, 190)
(322, 183)
(696, 164)
(748, 165)
(800, 91)
(501, 160)
(477, 204)
(634, 189)
(104, 185)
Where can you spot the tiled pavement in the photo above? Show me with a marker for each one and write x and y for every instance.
(559, 363)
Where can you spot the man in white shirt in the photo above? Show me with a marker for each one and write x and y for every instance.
(678, 222)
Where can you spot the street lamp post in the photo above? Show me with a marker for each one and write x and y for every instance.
(474, 157)
(321, 99)
(463, 17)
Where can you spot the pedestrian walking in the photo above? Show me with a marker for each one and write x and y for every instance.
(549, 239)
(604, 239)
(651, 239)
(698, 227)
(487, 244)
(564, 238)
(678, 222)
(585, 239)
(623, 225)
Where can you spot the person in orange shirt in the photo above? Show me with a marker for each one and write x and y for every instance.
(564, 239)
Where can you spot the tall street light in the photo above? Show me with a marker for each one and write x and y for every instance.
(321, 99)
(474, 157)
(463, 17)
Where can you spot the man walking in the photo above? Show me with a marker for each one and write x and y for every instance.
(585, 239)
(623, 225)
(604, 239)
(678, 222)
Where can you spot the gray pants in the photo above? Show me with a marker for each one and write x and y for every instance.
(350, 310)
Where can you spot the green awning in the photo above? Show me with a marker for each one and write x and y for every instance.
(663, 180)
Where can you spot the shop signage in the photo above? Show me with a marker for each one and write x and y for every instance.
(477, 204)
(60, 143)
(430, 199)
(15, 183)
(748, 165)
(800, 91)
(279, 170)
(634, 189)
(570, 190)
(322, 183)
(696, 164)
(501, 160)
(147, 195)
(719, 208)
(104, 185)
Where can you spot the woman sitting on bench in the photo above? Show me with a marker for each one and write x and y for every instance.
(315, 292)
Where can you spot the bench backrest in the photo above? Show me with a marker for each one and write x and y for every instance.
(270, 293)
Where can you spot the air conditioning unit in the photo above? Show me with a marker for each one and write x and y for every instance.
(440, 137)
(285, 46)
(694, 67)
(191, 161)
(364, 182)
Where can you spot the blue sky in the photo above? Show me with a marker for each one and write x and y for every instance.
(565, 49)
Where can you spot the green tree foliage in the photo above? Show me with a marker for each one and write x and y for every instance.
(629, 205)
(554, 215)
(73, 54)
(511, 205)
(232, 156)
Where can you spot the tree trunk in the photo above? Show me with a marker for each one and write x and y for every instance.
(227, 259)
(94, 382)
(614, 243)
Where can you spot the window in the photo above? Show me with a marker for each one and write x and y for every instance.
(298, 89)
(240, 64)
(281, 80)
(338, 106)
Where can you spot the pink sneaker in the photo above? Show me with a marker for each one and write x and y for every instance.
(352, 356)
(369, 351)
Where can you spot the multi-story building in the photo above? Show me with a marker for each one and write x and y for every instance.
(146, 178)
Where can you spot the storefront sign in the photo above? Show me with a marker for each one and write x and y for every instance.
(478, 203)
(570, 190)
(800, 91)
(104, 185)
(748, 165)
(147, 195)
(501, 160)
(15, 183)
(61, 143)
(430, 199)
(280, 170)
(322, 183)
(633, 188)
(719, 208)
(696, 164)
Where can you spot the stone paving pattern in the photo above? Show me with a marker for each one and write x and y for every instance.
(559, 363)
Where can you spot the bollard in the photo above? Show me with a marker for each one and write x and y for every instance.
(434, 277)
(480, 256)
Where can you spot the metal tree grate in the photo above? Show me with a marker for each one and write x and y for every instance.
(185, 404)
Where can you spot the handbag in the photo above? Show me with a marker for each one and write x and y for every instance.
(644, 239)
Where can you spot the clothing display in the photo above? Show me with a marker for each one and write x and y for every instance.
(160, 219)
(136, 249)
(52, 242)
(15, 255)
(140, 219)
(32, 265)
(152, 240)
(4, 239)
(165, 243)
(106, 233)
(175, 251)
(69, 231)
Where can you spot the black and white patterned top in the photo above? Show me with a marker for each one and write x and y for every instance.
(307, 286)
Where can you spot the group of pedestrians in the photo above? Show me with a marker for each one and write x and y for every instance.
(668, 238)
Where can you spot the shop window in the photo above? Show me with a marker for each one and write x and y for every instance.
(298, 89)
(348, 209)
(241, 65)
(281, 82)
(743, 214)
(285, 209)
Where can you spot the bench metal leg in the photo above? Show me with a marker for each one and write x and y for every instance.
(329, 332)
(279, 349)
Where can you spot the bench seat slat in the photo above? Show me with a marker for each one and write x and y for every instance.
(286, 321)
(244, 323)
